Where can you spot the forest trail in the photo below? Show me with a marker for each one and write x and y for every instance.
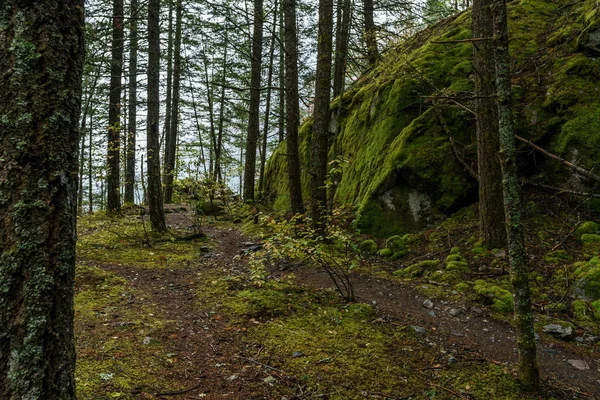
(165, 334)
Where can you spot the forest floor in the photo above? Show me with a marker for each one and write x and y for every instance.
(181, 318)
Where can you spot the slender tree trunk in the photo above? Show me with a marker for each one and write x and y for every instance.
(155, 200)
(86, 110)
(211, 114)
(90, 165)
(281, 129)
(197, 120)
(113, 162)
(41, 59)
(370, 32)
(491, 206)
(292, 107)
(218, 149)
(132, 128)
(526, 346)
(320, 133)
(165, 133)
(342, 39)
(173, 131)
(253, 117)
(265, 135)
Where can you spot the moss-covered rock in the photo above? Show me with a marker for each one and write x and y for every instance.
(500, 299)
(588, 279)
(596, 308)
(418, 269)
(590, 238)
(557, 257)
(395, 243)
(368, 247)
(588, 227)
(580, 309)
(402, 172)
(385, 253)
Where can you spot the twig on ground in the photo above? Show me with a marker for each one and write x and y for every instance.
(181, 391)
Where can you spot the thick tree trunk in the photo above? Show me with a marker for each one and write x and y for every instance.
(253, 117)
(265, 135)
(132, 127)
(113, 163)
(320, 133)
(292, 107)
(526, 346)
(491, 207)
(154, 193)
(41, 59)
(370, 32)
(172, 133)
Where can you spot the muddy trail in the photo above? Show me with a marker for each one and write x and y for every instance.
(190, 346)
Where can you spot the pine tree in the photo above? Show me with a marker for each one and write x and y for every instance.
(41, 59)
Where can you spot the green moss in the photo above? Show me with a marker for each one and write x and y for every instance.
(399, 254)
(557, 257)
(457, 266)
(500, 299)
(368, 247)
(395, 243)
(588, 227)
(596, 308)
(418, 269)
(455, 250)
(588, 279)
(590, 238)
(580, 310)
(455, 257)
(385, 253)
(410, 238)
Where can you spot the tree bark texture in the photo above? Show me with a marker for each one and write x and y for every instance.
(370, 32)
(132, 127)
(342, 38)
(154, 193)
(526, 346)
(322, 115)
(253, 117)
(113, 164)
(292, 107)
(491, 207)
(281, 123)
(219, 144)
(41, 59)
(165, 132)
(171, 134)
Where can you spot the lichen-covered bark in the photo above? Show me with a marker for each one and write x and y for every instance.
(113, 163)
(132, 123)
(370, 32)
(41, 64)
(154, 194)
(253, 116)
(171, 134)
(491, 207)
(526, 346)
(292, 107)
(319, 141)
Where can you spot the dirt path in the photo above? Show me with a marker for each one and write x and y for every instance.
(211, 360)
(471, 334)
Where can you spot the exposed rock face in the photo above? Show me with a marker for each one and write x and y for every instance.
(402, 169)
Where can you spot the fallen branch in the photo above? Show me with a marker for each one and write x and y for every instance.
(562, 160)
(561, 190)
(461, 40)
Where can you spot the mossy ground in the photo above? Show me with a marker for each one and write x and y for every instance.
(300, 341)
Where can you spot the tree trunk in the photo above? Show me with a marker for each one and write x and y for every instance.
(211, 115)
(526, 346)
(281, 124)
(320, 133)
(370, 32)
(113, 162)
(90, 169)
(253, 117)
(342, 38)
(171, 141)
(217, 175)
(41, 59)
(292, 107)
(491, 207)
(265, 135)
(154, 193)
(165, 132)
(132, 128)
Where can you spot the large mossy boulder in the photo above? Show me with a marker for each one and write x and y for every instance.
(402, 171)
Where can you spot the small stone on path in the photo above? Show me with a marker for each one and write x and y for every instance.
(428, 304)
(579, 364)
(420, 330)
(147, 340)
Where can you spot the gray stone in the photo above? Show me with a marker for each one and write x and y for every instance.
(428, 304)
(147, 340)
(452, 360)
(419, 330)
(559, 331)
(477, 310)
(455, 312)
(579, 364)
(592, 42)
